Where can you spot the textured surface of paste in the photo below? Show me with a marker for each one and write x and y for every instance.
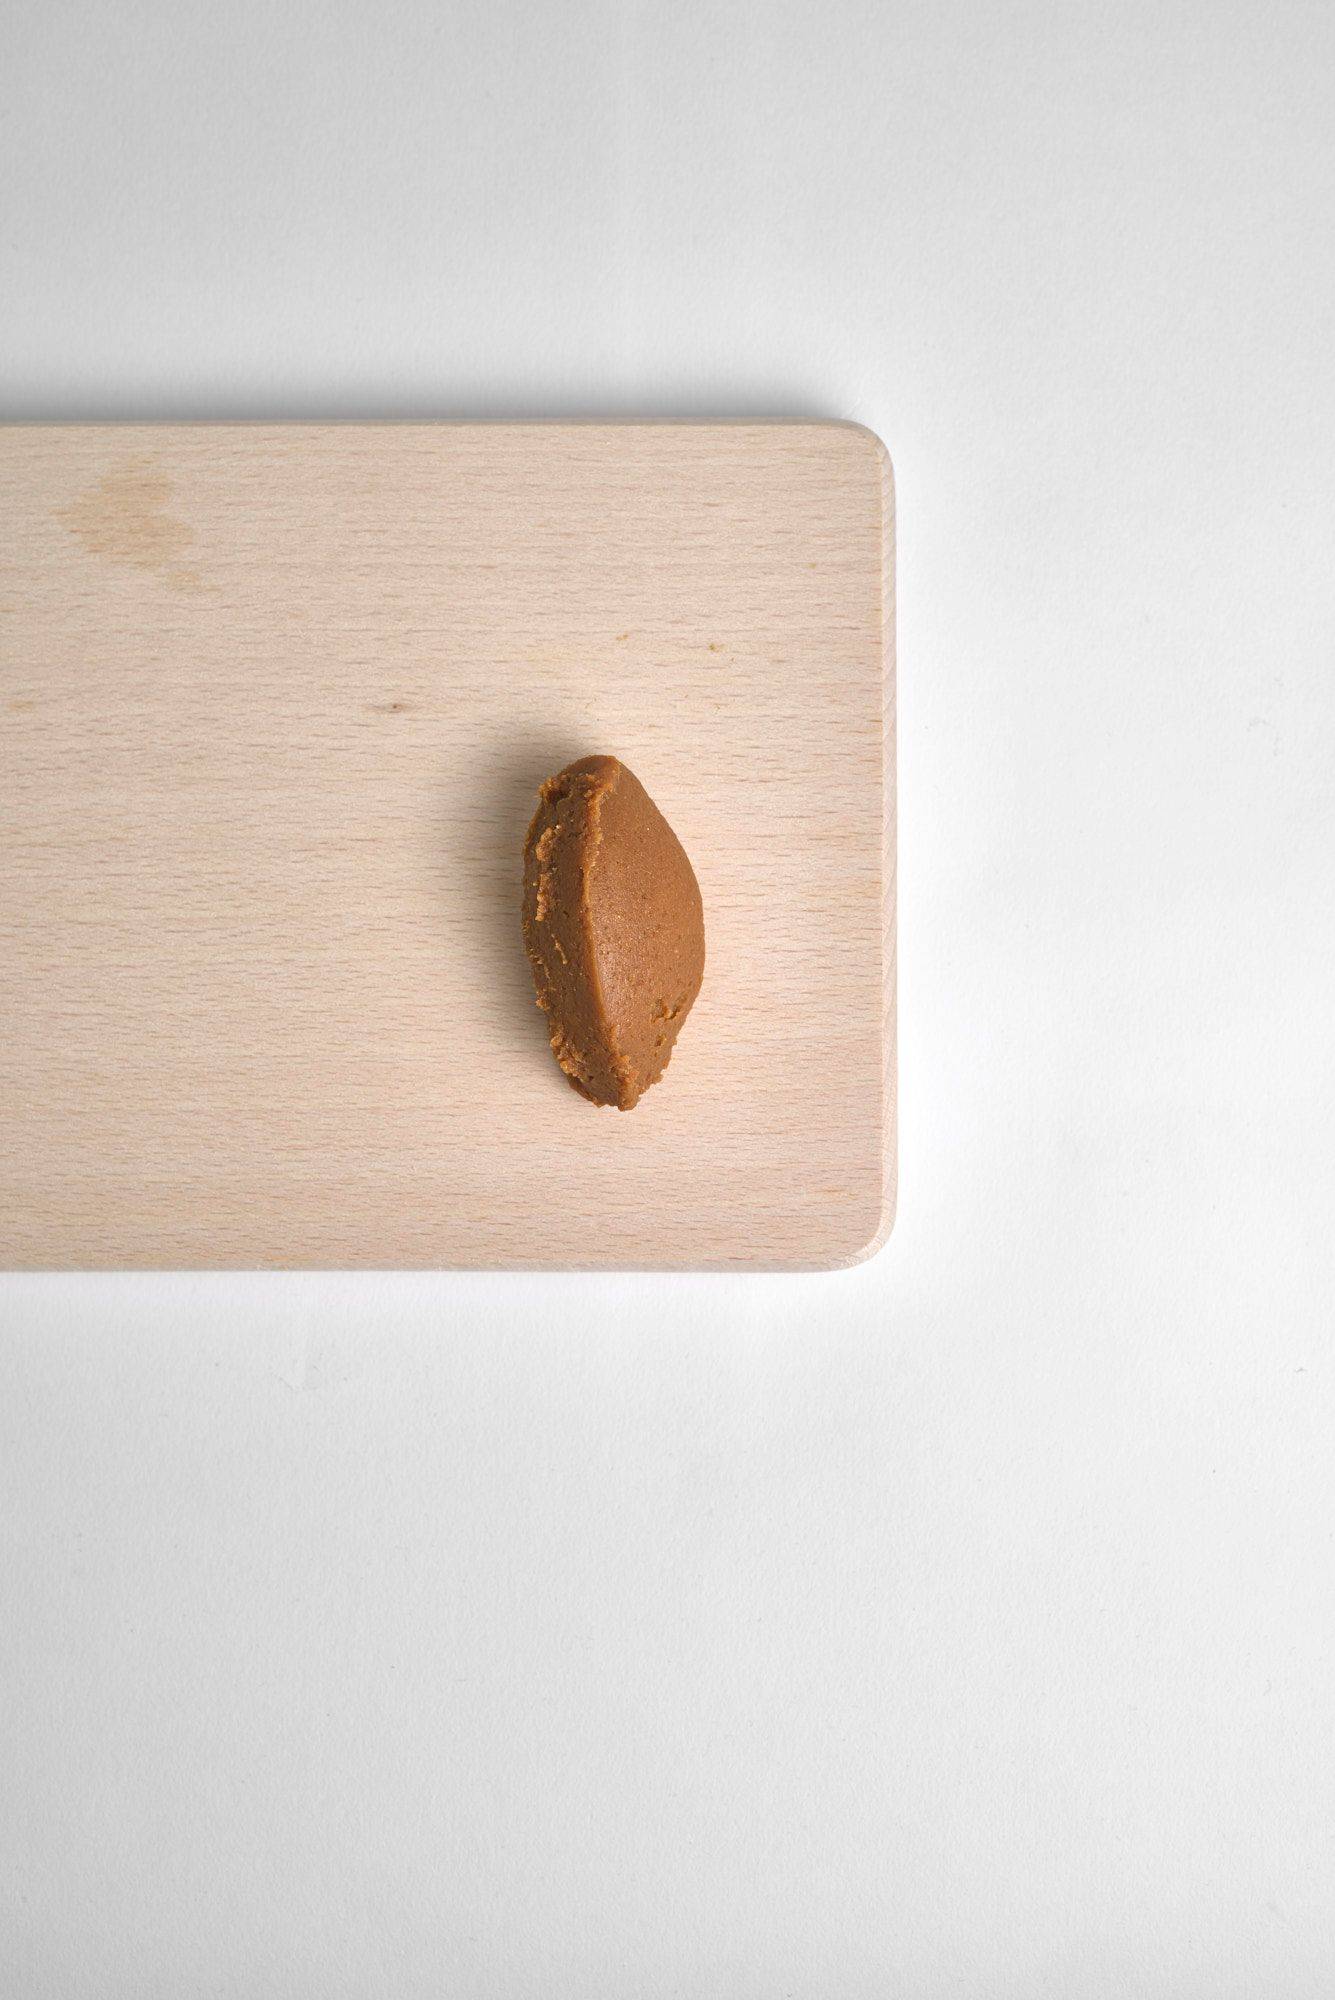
(613, 927)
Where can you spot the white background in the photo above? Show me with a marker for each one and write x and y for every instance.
(960, 1625)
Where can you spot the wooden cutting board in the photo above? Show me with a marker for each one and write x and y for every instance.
(274, 704)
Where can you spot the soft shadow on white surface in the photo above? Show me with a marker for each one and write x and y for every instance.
(355, 404)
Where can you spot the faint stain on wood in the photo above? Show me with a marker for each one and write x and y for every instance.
(125, 518)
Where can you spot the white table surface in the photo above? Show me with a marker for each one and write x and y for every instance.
(959, 1625)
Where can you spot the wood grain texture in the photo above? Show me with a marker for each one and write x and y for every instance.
(274, 704)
